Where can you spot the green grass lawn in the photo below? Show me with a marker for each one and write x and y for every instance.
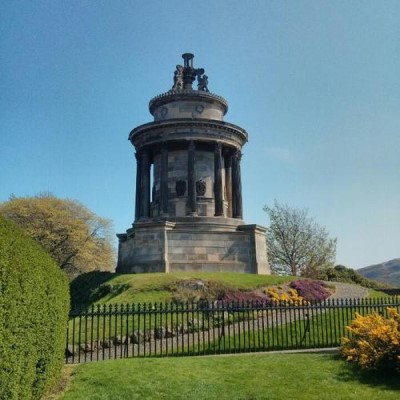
(376, 294)
(323, 329)
(271, 376)
(108, 288)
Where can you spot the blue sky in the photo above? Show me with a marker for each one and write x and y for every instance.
(316, 84)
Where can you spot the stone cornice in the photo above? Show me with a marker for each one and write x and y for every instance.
(185, 129)
(253, 227)
(187, 123)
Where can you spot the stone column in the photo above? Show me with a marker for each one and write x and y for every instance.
(237, 210)
(228, 183)
(164, 179)
(138, 184)
(145, 185)
(218, 199)
(192, 203)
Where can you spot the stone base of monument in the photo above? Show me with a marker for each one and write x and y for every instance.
(193, 244)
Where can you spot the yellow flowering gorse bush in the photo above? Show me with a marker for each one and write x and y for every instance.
(374, 341)
(291, 297)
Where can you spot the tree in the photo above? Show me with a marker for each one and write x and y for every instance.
(296, 244)
(76, 238)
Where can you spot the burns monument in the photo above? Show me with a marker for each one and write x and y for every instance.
(188, 205)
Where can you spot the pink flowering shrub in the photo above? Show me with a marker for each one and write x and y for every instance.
(244, 297)
(311, 290)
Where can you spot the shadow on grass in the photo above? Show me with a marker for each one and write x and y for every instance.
(89, 288)
(386, 379)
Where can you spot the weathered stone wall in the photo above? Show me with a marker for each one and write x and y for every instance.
(143, 251)
(204, 167)
(177, 171)
(194, 108)
(258, 245)
(170, 247)
(210, 251)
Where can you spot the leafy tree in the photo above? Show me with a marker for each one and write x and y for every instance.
(76, 238)
(296, 244)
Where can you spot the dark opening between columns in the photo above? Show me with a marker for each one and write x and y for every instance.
(219, 206)
(192, 203)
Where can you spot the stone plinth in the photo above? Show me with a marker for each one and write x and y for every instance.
(194, 245)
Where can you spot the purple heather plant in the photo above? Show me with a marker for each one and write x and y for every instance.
(311, 290)
(239, 297)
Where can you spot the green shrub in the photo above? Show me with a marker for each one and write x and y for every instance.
(340, 273)
(34, 304)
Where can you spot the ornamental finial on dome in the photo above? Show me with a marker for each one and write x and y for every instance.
(185, 75)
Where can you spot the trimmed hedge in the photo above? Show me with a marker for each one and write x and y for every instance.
(34, 305)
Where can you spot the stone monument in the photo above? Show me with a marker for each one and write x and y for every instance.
(188, 207)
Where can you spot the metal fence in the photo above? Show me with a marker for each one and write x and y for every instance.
(156, 330)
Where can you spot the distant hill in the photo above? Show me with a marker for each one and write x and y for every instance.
(388, 272)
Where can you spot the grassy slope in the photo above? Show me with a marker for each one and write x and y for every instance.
(110, 288)
(106, 288)
(273, 376)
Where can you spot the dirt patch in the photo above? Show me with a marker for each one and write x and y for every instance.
(193, 290)
(67, 374)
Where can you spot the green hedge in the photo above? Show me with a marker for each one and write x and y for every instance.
(34, 305)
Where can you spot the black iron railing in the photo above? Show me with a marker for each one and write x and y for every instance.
(155, 330)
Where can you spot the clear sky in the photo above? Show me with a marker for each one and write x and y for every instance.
(316, 84)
